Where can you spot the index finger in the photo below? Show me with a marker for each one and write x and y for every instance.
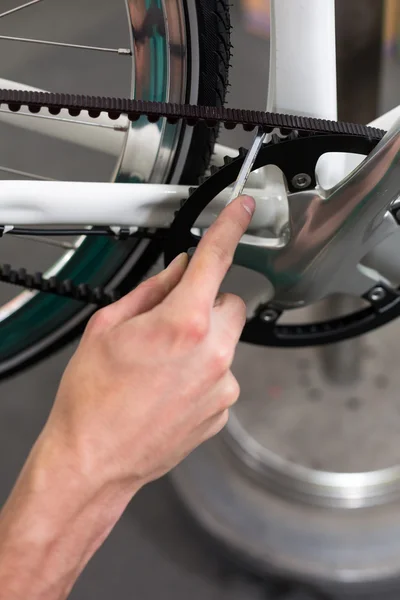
(216, 250)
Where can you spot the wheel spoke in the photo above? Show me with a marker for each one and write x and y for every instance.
(119, 128)
(46, 241)
(25, 174)
(121, 51)
(18, 8)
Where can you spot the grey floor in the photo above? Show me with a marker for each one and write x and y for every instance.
(154, 550)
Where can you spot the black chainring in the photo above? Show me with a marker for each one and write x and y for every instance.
(292, 155)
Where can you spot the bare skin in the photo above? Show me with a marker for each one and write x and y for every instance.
(150, 381)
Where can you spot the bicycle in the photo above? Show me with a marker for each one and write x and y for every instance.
(181, 54)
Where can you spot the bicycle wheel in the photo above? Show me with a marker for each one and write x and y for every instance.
(180, 53)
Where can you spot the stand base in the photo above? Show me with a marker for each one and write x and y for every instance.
(295, 411)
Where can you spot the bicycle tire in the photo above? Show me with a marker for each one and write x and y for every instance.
(128, 262)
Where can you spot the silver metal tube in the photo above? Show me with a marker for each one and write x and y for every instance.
(340, 363)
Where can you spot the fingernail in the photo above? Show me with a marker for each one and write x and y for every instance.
(249, 204)
(181, 260)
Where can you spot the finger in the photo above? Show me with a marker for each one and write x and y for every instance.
(221, 397)
(211, 428)
(214, 254)
(208, 430)
(213, 412)
(150, 293)
(229, 318)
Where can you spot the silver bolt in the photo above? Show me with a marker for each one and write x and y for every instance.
(377, 294)
(269, 315)
(301, 181)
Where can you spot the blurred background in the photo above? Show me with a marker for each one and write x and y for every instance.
(157, 549)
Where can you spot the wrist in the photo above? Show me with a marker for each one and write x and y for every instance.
(64, 481)
(92, 475)
(54, 521)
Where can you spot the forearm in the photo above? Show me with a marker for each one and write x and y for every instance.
(52, 524)
(150, 382)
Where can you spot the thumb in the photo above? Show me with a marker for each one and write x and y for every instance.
(148, 294)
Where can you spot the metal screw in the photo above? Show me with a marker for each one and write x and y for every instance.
(377, 294)
(396, 215)
(301, 181)
(269, 315)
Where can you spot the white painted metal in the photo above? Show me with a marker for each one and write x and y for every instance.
(303, 67)
(100, 139)
(303, 58)
(303, 80)
(139, 205)
(302, 71)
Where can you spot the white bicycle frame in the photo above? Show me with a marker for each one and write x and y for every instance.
(302, 81)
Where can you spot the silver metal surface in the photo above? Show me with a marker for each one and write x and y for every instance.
(193, 84)
(287, 426)
(247, 165)
(341, 363)
(305, 479)
(269, 315)
(377, 294)
(151, 147)
(301, 181)
(331, 233)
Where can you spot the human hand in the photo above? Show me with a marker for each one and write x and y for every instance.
(151, 379)
(149, 382)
